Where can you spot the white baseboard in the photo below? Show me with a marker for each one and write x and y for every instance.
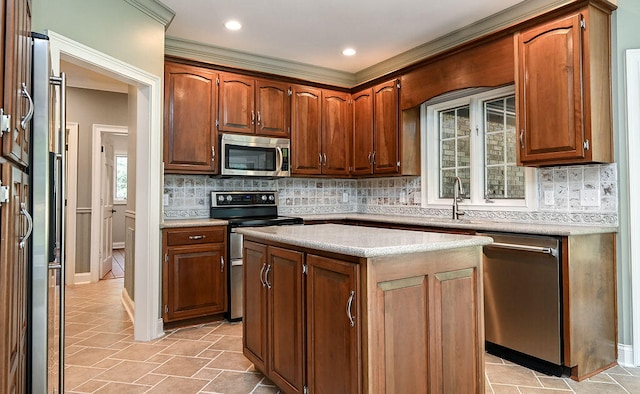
(625, 355)
(160, 328)
(82, 278)
(118, 245)
(128, 304)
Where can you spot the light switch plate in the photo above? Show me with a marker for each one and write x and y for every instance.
(548, 197)
(165, 199)
(589, 198)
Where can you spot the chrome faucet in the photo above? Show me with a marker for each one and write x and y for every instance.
(457, 192)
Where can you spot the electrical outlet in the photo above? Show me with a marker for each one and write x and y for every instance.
(589, 198)
(345, 197)
(548, 197)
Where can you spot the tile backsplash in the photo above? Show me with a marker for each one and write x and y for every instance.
(569, 195)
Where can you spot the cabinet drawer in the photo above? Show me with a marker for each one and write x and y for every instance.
(196, 235)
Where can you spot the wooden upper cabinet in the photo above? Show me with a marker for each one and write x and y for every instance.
(273, 108)
(237, 103)
(190, 135)
(362, 140)
(306, 130)
(385, 128)
(17, 93)
(336, 132)
(254, 106)
(564, 90)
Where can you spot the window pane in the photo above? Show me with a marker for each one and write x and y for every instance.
(448, 154)
(121, 178)
(464, 123)
(465, 177)
(446, 183)
(503, 179)
(464, 153)
(448, 124)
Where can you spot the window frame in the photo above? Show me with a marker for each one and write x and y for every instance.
(116, 200)
(430, 154)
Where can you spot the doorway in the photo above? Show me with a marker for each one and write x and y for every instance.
(145, 105)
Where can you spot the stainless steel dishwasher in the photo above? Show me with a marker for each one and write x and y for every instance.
(522, 295)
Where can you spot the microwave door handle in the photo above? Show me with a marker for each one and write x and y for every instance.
(280, 158)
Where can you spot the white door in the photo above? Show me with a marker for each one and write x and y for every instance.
(106, 209)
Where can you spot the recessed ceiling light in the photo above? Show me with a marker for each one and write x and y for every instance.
(233, 25)
(349, 52)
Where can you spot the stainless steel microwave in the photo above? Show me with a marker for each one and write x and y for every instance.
(245, 155)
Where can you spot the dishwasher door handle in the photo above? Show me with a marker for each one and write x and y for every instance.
(525, 248)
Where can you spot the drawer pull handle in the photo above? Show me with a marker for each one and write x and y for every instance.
(266, 276)
(349, 303)
(196, 237)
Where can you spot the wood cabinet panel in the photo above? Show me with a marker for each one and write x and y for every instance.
(13, 281)
(273, 108)
(336, 133)
(17, 80)
(194, 275)
(564, 90)
(200, 235)
(385, 128)
(286, 341)
(362, 140)
(190, 135)
(254, 304)
(333, 342)
(306, 130)
(237, 103)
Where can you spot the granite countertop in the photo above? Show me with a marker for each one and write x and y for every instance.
(471, 224)
(362, 241)
(173, 223)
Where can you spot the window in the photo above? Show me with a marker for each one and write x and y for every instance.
(473, 137)
(121, 178)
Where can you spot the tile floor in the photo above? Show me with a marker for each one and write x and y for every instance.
(102, 357)
(117, 266)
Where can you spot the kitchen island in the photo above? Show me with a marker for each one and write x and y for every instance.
(337, 308)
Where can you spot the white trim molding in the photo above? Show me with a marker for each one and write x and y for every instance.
(633, 162)
(72, 203)
(128, 304)
(155, 9)
(149, 173)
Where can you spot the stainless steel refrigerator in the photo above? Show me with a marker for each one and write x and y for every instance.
(47, 170)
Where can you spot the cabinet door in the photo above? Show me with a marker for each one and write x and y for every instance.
(361, 155)
(283, 277)
(336, 130)
(306, 131)
(550, 101)
(17, 80)
(254, 304)
(333, 326)
(237, 105)
(196, 281)
(385, 128)
(273, 106)
(13, 282)
(190, 136)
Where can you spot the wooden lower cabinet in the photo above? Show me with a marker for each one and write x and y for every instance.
(273, 299)
(395, 324)
(194, 273)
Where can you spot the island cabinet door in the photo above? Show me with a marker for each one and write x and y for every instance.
(333, 326)
(284, 279)
(254, 335)
(456, 356)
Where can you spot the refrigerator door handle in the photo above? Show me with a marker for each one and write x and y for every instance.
(23, 211)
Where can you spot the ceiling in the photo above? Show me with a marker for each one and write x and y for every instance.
(314, 32)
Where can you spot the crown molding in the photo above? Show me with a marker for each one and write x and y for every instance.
(155, 9)
(237, 59)
(231, 58)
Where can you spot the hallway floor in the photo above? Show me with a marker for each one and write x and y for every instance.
(102, 357)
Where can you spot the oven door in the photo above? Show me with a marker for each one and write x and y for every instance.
(254, 156)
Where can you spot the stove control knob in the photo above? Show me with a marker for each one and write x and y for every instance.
(271, 197)
(229, 198)
(220, 197)
(263, 197)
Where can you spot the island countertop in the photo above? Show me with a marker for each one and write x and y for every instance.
(362, 241)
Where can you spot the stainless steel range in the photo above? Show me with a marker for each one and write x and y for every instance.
(244, 209)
